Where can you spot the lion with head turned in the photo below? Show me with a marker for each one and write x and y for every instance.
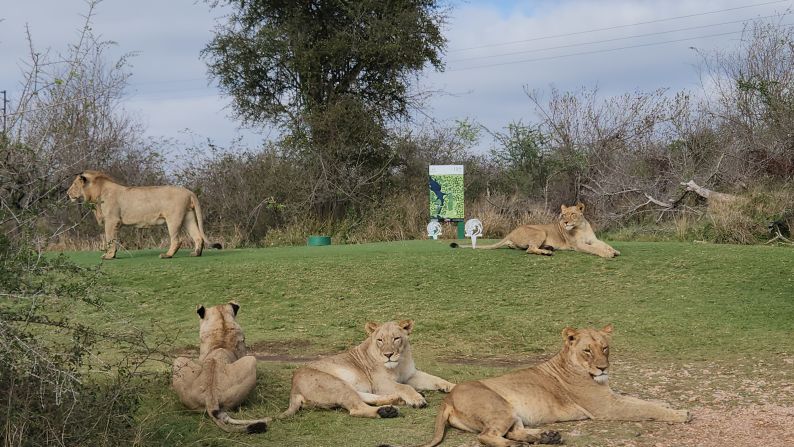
(369, 379)
(571, 232)
(571, 386)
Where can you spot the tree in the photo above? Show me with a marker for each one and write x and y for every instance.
(522, 155)
(331, 74)
(282, 59)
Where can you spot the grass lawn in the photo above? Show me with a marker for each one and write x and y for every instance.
(704, 327)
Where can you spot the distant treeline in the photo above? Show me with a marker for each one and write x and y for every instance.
(624, 156)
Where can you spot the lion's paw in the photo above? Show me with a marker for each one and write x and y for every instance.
(447, 387)
(551, 437)
(684, 415)
(419, 402)
(388, 412)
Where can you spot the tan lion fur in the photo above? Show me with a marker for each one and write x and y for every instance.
(571, 386)
(369, 378)
(224, 375)
(571, 232)
(116, 205)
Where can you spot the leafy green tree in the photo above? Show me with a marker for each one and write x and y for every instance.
(523, 154)
(281, 59)
(332, 74)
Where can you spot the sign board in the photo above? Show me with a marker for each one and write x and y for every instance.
(446, 192)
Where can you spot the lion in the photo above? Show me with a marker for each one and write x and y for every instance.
(224, 375)
(572, 232)
(144, 206)
(368, 379)
(571, 386)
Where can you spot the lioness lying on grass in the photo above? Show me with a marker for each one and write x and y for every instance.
(380, 372)
(572, 232)
(224, 376)
(571, 386)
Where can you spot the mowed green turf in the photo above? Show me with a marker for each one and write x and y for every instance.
(477, 313)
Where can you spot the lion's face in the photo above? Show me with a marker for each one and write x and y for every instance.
(589, 349)
(571, 216)
(75, 191)
(389, 340)
(218, 328)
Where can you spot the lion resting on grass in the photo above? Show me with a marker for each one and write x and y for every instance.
(572, 232)
(224, 376)
(368, 379)
(143, 207)
(571, 386)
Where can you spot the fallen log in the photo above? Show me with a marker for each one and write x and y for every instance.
(709, 194)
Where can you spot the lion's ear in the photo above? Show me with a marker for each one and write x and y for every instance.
(562, 208)
(569, 334)
(371, 327)
(235, 307)
(201, 311)
(407, 325)
(607, 329)
(83, 178)
(580, 206)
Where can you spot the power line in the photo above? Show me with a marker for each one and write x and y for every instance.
(597, 51)
(498, 44)
(535, 50)
(5, 101)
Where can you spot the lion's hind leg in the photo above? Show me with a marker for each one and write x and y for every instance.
(532, 435)
(318, 388)
(236, 381)
(184, 374)
(479, 409)
(532, 241)
(190, 225)
(379, 399)
(534, 250)
(174, 225)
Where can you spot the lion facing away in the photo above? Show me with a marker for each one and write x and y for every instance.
(367, 379)
(145, 206)
(571, 386)
(224, 375)
(572, 232)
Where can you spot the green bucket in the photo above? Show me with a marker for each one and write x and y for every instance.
(315, 241)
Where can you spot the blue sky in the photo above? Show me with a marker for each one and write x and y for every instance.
(496, 50)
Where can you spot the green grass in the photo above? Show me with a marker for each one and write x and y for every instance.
(477, 313)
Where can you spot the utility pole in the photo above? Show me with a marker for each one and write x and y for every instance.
(5, 101)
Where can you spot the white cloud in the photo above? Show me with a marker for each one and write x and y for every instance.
(169, 85)
(494, 94)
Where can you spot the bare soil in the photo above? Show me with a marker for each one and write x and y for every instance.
(749, 403)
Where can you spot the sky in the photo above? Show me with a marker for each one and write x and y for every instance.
(496, 50)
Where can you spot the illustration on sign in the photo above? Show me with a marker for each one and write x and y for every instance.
(446, 192)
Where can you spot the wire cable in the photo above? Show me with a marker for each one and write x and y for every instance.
(667, 19)
(607, 50)
(535, 50)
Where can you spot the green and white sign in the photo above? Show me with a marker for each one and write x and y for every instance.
(446, 192)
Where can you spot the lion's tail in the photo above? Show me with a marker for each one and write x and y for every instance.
(231, 425)
(295, 403)
(441, 426)
(501, 243)
(200, 222)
